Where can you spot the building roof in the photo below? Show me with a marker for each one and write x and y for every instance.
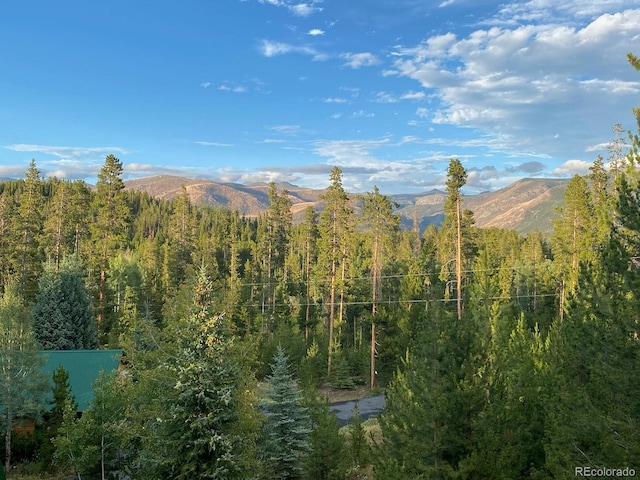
(83, 367)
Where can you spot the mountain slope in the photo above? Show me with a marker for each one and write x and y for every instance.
(526, 205)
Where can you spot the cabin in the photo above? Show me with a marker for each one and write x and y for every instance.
(83, 367)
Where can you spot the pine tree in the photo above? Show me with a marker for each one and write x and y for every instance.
(329, 456)
(358, 445)
(380, 221)
(573, 237)
(181, 237)
(334, 228)
(456, 219)
(277, 233)
(62, 314)
(95, 445)
(28, 228)
(109, 228)
(428, 413)
(62, 397)
(22, 384)
(7, 238)
(285, 432)
(66, 222)
(200, 421)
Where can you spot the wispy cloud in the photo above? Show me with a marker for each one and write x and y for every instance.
(214, 144)
(422, 112)
(362, 114)
(314, 32)
(67, 152)
(296, 8)
(335, 100)
(411, 95)
(358, 60)
(68, 162)
(289, 130)
(232, 88)
(205, 84)
(385, 97)
(270, 48)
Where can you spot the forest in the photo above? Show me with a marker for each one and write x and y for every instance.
(500, 356)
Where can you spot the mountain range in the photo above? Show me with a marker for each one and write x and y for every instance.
(524, 206)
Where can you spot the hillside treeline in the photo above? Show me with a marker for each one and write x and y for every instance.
(502, 356)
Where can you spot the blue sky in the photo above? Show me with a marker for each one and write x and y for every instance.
(280, 90)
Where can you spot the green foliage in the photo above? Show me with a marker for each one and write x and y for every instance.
(62, 397)
(23, 386)
(358, 445)
(28, 225)
(62, 314)
(197, 434)
(95, 444)
(329, 456)
(284, 439)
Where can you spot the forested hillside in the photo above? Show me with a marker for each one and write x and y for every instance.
(501, 355)
(525, 206)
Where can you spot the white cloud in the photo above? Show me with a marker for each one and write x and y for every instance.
(68, 152)
(304, 9)
(411, 95)
(422, 112)
(531, 81)
(573, 167)
(335, 100)
(385, 97)
(230, 88)
(69, 162)
(214, 144)
(205, 84)
(289, 130)
(298, 9)
(271, 49)
(362, 114)
(314, 32)
(357, 60)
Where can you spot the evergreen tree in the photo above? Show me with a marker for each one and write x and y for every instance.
(285, 432)
(573, 237)
(309, 249)
(109, 227)
(334, 228)
(329, 456)
(22, 384)
(181, 237)
(66, 221)
(28, 228)
(453, 227)
(426, 423)
(95, 445)
(510, 433)
(198, 430)
(62, 315)
(7, 247)
(380, 221)
(62, 397)
(277, 233)
(358, 445)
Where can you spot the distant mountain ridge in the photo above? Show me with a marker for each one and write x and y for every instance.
(526, 205)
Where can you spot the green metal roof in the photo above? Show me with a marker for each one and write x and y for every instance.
(83, 367)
